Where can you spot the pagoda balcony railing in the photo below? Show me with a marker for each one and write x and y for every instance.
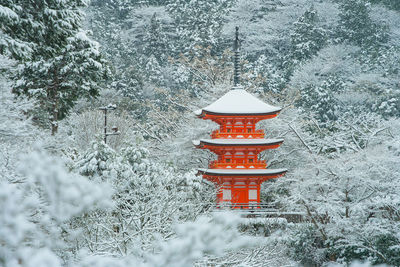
(253, 210)
(251, 206)
(261, 164)
(256, 134)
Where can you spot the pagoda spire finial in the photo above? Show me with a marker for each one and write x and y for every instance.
(236, 47)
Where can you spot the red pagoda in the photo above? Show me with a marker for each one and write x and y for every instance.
(238, 172)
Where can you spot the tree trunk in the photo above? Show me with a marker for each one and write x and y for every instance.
(54, 106)
(54, 121)
(347, 209)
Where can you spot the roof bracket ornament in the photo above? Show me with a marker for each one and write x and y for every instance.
(236, 73)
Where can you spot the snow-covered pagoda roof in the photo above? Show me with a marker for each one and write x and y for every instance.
(237, 142)
(243, 172)
(238, 102)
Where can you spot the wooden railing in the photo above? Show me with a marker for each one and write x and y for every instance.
(253, 210)
(251, 206)
(256, 134)
(260, 164)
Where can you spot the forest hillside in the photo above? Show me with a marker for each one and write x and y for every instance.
(68, 198)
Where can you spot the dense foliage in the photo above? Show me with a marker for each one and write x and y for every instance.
(58, 63)
(70, 200)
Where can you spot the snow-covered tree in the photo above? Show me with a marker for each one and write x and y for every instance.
(357, 26)
(10, 44)
(350, 202)
(148, 198)
(393, 4)
(17, 132)
(269, 78)
(36, 211)
(46, 215)
(197, 23)
(64, 64)
(155, 41)
(86, 126)
(308, 37)
(321, 100)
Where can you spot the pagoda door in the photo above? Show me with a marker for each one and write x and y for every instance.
(240, 195)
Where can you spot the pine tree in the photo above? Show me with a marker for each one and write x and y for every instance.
(197, 22)
(155, 41)
(307, 38)
(321, 101)
(64, 64)
(9, 43)
(393, 4)
(153, 70)
(357, 26)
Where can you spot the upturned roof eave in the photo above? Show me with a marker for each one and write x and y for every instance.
(241, 172)
(205, 112)
(205, 142)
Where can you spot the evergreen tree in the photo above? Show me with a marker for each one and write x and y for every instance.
(197, 22)
(110, 20)
(64, 64)
(274, 81)
(386, 102)
(153, 70)
(9, 43)
(320, 100)
(357, 26)
(307, 37)
(153, 57)
(393, 4)
(155, 41)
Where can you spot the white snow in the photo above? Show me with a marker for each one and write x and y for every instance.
(196, 142)
(238, 141)
(198, 112)
(243, 172)
(8, 13)
(238, 101)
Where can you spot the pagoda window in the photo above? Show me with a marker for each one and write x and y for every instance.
(228, 160)
(249, 130)
(226, 194)
(252, 194)
(228, 130)
(250, 160)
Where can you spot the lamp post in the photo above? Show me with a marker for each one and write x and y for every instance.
(115, 129)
